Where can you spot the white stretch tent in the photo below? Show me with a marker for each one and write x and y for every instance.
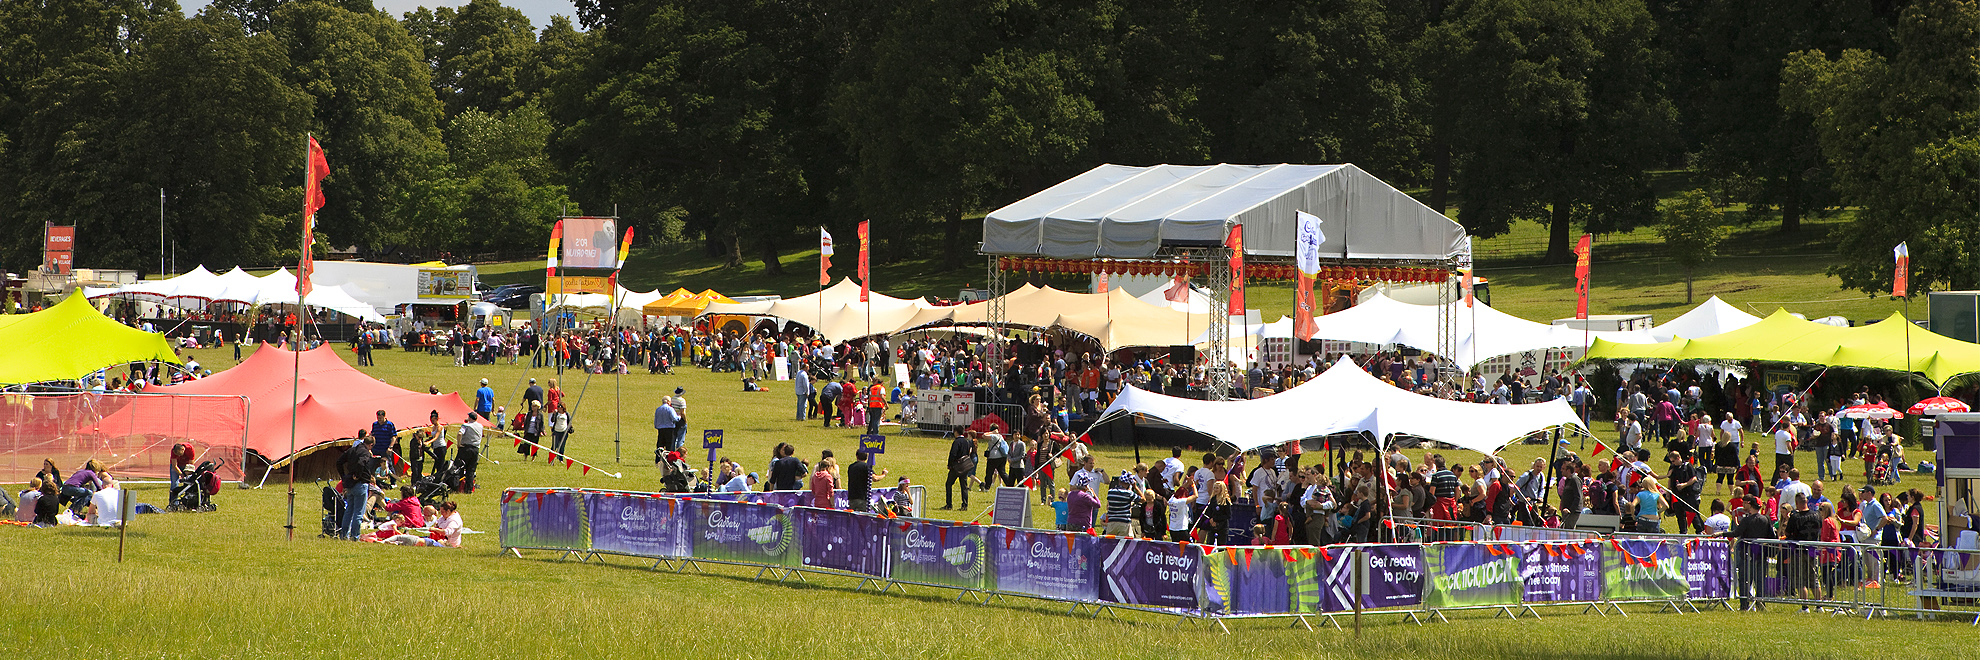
(1346, 399)
(1709, 318)
(279, 288)
(1384, 320)
(1131, 212)
(383, 286)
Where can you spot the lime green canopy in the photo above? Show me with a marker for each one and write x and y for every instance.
(69, 341)
(1784, 338)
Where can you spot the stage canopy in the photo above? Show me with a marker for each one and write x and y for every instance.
(1712, 317)
(1120, 211)
(279, 288)
(1492, 333)
(1116, 319)
(1346, 399)
(71, 340)
(339, 400)
(1893, 344)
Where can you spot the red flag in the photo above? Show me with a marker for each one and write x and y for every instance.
(1304, 326)
(1236, 243)
(1600, 448)
(1581, 258)
(1178, 290)
(824, 257)
(1100, 283)
(567, 463)
(1901, 281)
(1467, 287)
(864, 279)
(586, 470)
(315, 169)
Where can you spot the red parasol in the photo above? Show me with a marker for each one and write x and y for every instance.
(1870, 411)
(1937, 405)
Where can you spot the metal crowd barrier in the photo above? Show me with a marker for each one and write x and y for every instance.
(1857, 579)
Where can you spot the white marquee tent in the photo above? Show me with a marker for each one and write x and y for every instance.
(1346, 399)
(1709, 318)
(1482, 332)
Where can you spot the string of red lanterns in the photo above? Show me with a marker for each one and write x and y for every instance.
(1252, 271)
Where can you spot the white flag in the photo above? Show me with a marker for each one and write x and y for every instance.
(1901, 251)
(1306, 251)
(824, 242)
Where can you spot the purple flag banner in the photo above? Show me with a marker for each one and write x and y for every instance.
(1708, 569)
(551, 520)
(639, 525)
(1158, 573)
(1043, 564)
(1395, 576)
(1553, 572)
(1643, 570)
(747, 533)
(841, 541)
(935, 553)
(1471, 575)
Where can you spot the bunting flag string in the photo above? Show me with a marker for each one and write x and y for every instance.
(553, 456)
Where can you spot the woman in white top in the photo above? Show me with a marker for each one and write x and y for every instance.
(446, 530)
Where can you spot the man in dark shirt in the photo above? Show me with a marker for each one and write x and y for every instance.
(1687, 484)
(962, 464)
(859, 482)
(382, 434)
(1570, 486)
(355, 466)
(534, 393)
(1752, 557)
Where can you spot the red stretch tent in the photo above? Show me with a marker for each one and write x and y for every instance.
(338, 400)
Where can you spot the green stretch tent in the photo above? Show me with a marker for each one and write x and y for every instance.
(72, 340)
(1784, 338)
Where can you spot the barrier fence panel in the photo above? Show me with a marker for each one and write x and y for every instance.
(937, 553)
(1158, 576)
(1042, 564)
(545, 520)
(639, 525)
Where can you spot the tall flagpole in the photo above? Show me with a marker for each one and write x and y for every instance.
(295, 374)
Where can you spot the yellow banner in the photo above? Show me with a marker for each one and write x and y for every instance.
(579, 284)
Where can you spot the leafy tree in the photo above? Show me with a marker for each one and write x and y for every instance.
(1723, 63)
(376, 113)
(1898, 131)
(948, 105)
(483, 55)
(196, 107)
(1692, 231)
(1319, 81)
(704, 105)
(1551, 112)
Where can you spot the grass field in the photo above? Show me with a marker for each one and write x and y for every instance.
(228, 585)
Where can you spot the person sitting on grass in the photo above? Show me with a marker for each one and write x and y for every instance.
(407, 506)
(386, 530)
(48, 505)
(446, 532)
(83, 483)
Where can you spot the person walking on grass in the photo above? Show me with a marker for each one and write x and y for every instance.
(665, 420)
(484, 399)
(962, 466)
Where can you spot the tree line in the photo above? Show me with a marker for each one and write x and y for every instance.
(746, 124)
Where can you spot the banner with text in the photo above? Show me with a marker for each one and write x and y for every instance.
(1395, 576)
(1708, 568)
(937, 553)
(1156, 573)
(1644, 570)
(748, 533)
(640, 525)
(1560, 572)
(1471, 575)
(1045, 564)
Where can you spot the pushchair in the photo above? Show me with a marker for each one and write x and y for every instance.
(437, 487)
(195, 491)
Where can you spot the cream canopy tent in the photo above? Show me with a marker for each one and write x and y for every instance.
(1384, 320)
(279, 288)
(630, 303)
(1346, 399)
(1116, 319)
(1712, 317)
(836, 312)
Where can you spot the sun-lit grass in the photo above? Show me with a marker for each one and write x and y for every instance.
(228, 585)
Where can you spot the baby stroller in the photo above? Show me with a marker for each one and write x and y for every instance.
(1882, 473)
(196, 490)
(437, 487)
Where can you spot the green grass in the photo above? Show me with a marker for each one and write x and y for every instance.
(229, 585)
